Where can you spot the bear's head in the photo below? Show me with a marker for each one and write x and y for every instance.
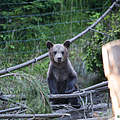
(58, 52)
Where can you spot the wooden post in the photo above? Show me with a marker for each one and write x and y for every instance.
(111, 62)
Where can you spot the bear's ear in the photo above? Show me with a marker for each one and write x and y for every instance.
(49, 44)
(67, 44)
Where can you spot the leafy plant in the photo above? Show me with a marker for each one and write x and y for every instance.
(103, 33)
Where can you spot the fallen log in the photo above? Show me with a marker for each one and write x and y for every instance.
(68, 109)
(40, 116)
(12, 109)
(55, 96)
(102, 89)
(77, 94)
(3, 97)
(96, 86)
(4, 71)
(7, 75)
(7, 97)
(60, 106)
(96, 118)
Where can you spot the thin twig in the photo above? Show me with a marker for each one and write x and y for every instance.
(100, 32)
(91, 100)
(22, 105)
(84, 107)
(7, 75)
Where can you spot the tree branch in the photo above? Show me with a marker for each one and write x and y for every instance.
(15, 116)
(12, 109)
(96, 86)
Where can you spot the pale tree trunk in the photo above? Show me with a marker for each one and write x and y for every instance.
(111, 62)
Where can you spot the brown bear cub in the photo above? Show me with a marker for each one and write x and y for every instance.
(61, 75)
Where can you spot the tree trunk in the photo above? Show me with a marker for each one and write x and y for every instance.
(111, 62)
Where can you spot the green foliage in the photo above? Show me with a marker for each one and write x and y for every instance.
(32, 25)
(92, 51)
(32, 87)
(27, 27)
(29, 33)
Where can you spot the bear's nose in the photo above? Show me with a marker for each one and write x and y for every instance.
(59, 59)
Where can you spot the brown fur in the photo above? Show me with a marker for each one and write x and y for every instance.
(61, 75)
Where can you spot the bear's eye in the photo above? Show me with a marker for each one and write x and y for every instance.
(55, 52)
(62, 52)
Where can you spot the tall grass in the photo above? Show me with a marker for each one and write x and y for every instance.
(33, 86)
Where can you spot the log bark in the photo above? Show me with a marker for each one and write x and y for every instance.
(55, 96)
(101, 87)
(69, 109)
(12, 109)
(7, 97)
(96, 86)
(4, 71)
(97, 118)
(40, 116)
(11, 74)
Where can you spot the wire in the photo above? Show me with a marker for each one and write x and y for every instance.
(50, 13)
(53, 24)
(24, 52)
(15, 41)
(39, 24)
(22, 2)
(37, 39)
(34, 51)
(39, 15)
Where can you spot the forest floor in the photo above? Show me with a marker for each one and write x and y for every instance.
(101, 110)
